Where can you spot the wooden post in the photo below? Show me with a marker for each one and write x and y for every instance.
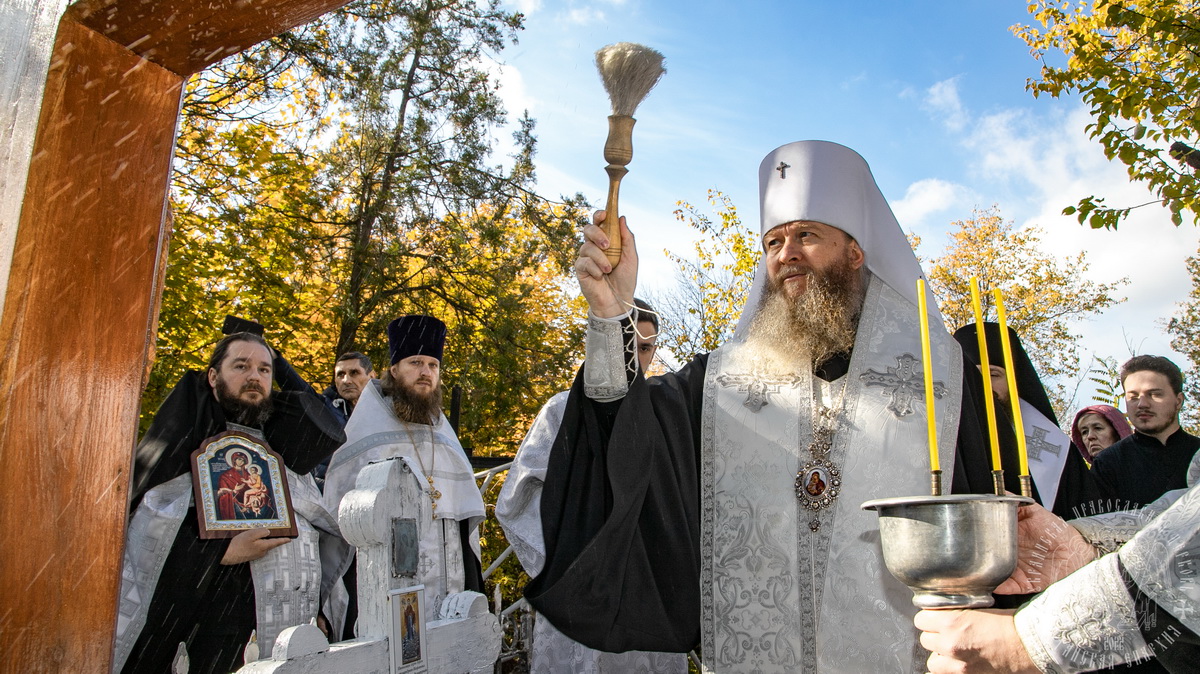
(81, 303)
(76, 329)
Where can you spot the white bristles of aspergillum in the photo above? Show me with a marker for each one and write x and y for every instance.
(629, 71)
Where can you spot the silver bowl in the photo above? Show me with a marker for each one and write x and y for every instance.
(951, 551)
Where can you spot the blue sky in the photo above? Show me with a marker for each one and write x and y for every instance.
(932, 94)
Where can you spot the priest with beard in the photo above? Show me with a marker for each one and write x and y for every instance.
(719, 504)
(214, 593)
(401, 416)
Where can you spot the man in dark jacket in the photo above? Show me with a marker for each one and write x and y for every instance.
(350, 375)
(1154, 459)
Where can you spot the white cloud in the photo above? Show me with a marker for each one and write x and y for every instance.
(583, 16)
(854, 81)
(942, 99)
(1005, 145)
(516, 99)
(927, 197)
(1037, 165)
(527, 7)
(1147, 249)
(513, 92)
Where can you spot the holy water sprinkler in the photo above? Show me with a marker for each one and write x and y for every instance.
(629, 71)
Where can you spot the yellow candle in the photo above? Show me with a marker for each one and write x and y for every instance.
(1018, 424)
(985, 368)
(927, 361)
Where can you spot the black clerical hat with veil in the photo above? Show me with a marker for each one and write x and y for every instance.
(1029, 384)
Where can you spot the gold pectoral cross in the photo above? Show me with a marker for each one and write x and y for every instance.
(821, 444)
(434, 495)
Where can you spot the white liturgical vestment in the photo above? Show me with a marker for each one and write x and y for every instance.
(519, 510)
(1089, 620)
(790, 582)
(375, 434)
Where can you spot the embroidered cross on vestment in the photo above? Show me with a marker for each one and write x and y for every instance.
(757, 386)
(902, 384)
(1036, 443)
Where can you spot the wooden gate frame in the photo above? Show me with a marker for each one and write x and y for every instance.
(82, 305)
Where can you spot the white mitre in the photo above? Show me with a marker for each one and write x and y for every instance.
(829, 183)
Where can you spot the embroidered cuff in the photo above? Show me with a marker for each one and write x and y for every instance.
(1162, 559)
(611, 360)
(1082, 623)
(1110, 531)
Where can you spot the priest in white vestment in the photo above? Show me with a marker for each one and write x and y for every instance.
(401, 416)
(719, 505)
(188, 599)
(518, 508)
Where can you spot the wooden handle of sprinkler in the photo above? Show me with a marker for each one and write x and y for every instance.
(618, 151)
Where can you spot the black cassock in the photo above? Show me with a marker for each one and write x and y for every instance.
(620, 508)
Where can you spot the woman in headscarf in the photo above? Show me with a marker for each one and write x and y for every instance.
(1096, 428)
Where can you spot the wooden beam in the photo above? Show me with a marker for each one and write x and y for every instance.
(187, 36)
(82, 303)
(81, 296)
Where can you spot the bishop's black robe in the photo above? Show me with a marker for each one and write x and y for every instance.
(621, 508)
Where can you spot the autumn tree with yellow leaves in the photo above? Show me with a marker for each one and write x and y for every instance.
(1184, 328)
(700, 312)
(342, 174)
(1136, 65)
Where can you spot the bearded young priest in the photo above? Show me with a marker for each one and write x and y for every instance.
(401, 416)
(719, 504)
(211, 597)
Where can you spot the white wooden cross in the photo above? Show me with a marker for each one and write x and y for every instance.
(465, 638)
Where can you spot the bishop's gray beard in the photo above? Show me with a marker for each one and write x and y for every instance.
(822, 321)
(238, 411)
(410, 406)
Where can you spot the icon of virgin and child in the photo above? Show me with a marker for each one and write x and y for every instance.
(241, 492)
